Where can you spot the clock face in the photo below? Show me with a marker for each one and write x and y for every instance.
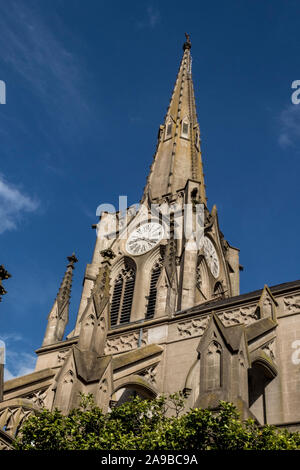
(144, 238)
(211, 257)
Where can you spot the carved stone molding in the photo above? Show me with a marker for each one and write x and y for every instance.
(61, 356)
(12, 418)
(193, 327)
(38, 398)
(69, 377)
(267, 305)
(246, 315)
(4, 446)
(103, 386)
(292, 304)
(241, 359)
(269, 349)
(125, 342)
(150, 374)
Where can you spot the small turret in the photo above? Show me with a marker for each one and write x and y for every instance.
(59, 314)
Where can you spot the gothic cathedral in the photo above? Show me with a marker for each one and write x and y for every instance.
(161, 314)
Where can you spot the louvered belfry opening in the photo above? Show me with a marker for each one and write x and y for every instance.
(116, 300)
(153, 290)
(127, 296)
(122, 296)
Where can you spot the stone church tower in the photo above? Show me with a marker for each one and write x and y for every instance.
(161, 310)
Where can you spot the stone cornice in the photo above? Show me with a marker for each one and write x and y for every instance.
(57, 346)
(29, 379)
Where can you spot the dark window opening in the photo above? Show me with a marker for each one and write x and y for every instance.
(122, 296)
(153, 292)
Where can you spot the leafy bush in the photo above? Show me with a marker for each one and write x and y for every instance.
(158, 424)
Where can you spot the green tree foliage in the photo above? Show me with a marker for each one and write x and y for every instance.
(159, 424)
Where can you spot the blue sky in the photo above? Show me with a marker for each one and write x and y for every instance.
(88, 84)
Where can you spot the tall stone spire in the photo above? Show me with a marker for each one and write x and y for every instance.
(59, 314)
(178, 154)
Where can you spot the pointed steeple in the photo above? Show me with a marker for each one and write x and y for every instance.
(59, 314)
(178, 154)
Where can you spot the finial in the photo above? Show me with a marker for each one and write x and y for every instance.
(187, 44)
(72, 259)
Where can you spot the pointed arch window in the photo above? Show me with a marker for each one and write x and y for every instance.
(185, 128)
(155, 273)
(213, 366)
(169, 127)
(122, 296)
(202, 281)
(219, 291)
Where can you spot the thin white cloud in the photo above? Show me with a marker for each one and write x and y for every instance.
(20, 363)
(8, 375)
(11, 337)
(35, 50)
(13, 204)
(152, 19)
(153, 16)
(17, 362)
(289, 120)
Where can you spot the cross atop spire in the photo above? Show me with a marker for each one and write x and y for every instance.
(72, 259)
(187, 44)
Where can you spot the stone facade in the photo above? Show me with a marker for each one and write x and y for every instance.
(171, 318)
